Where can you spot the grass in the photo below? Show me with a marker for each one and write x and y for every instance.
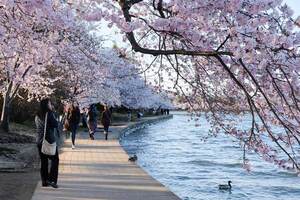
(119, 117)
(26, 128)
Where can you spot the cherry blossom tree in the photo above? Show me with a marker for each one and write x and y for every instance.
(232, 55)
(125, 73)
(29, 34)
(224, 56)
(84, 71)
(42, 43)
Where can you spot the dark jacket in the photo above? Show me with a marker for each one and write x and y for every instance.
(51, 131)
(92, 114)
(74, 116)
(105, 120)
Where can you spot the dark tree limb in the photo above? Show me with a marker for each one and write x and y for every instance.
(126, 5)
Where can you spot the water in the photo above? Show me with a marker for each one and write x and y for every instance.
(173, 153)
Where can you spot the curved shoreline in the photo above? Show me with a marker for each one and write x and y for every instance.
(133, 126)
(99, 169)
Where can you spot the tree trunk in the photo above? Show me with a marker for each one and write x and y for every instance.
(4, 123)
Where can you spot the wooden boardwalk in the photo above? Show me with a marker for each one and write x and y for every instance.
(99, 170)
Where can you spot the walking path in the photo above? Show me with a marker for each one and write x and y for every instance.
(99, 170)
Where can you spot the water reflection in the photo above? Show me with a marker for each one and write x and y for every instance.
(173, 153)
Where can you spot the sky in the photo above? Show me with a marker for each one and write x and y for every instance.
(295, 5)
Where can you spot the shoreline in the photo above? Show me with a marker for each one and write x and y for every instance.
(99, 169)
(133, 126)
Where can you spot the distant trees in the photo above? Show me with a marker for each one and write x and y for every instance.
(126, 77)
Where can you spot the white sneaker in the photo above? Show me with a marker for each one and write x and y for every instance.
(73, 146)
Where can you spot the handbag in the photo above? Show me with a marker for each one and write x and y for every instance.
(47, 148)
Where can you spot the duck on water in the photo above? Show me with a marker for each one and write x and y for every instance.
(133, 158)
(225, 187)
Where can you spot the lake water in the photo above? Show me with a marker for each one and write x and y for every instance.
(173, 153)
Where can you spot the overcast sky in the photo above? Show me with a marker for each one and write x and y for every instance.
(295, 5)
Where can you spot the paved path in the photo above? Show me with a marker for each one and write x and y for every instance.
(99, 170)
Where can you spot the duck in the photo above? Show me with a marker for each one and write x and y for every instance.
(133, 158)
(225, 187)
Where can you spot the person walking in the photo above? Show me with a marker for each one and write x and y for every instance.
(46, 117)
(65, 121)
(129, 115)
(105, 120)
(73, 117)
(83, 118)
(92, 115)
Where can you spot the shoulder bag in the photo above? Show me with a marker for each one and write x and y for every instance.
(47, 148)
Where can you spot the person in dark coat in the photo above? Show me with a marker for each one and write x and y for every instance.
(73, 117)
(51, 136)
(105, 120)
(83, 119)
(92, 115)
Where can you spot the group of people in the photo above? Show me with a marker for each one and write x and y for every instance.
(71, 120)
(165, 111)
(48, 130)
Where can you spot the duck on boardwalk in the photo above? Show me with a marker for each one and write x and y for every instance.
(133, 158)
(225, 187)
